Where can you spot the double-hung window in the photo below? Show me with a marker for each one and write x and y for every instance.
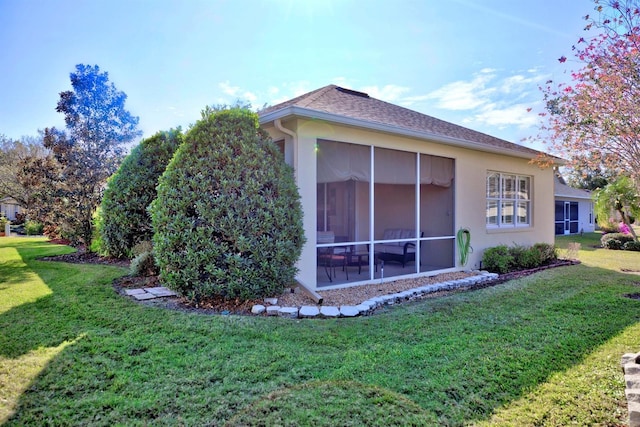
(508, 200)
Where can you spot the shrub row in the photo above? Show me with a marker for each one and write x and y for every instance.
(619, 241)
(217, 212)
(503, 259)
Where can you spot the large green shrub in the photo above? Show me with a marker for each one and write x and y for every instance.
(227, 221)
(124, 220)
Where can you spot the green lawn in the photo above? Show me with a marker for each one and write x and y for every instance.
(542, 350)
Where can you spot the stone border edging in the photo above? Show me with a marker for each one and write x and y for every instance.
(367, 307)
(631, 369)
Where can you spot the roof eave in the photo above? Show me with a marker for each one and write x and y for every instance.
(295, 111)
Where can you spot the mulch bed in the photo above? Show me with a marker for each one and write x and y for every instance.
(88, 258)
(222, 306)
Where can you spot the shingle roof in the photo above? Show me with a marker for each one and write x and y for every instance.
(563, 190)
(360, 106)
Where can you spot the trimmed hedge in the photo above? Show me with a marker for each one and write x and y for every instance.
(615, 241)
(228, 219)
(124, 218)
(497, 259)
(503, 259)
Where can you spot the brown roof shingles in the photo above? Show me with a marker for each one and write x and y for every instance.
(333, 99)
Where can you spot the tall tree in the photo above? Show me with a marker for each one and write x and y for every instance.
(587, 175)
(596, 117)
(88, 151)
(12, 155)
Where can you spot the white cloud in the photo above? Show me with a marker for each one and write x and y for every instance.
(464, 95)
(228, 89)
(236, 93)
(502, 116)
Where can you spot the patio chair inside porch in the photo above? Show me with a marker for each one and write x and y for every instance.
(331, 257)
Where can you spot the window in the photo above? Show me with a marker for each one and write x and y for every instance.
(508, 200)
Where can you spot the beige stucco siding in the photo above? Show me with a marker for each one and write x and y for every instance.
(471, 167)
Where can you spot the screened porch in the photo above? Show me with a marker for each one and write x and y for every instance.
(382, 213)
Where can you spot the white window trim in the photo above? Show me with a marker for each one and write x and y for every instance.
(501, 199)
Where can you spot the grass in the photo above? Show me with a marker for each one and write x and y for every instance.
(542, 350)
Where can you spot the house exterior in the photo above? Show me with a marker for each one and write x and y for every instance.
(9, 208)
(385, 190)
(573, 209)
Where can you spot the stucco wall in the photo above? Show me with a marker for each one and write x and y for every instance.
(470, 186)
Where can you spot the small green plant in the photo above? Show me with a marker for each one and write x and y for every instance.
(525, 257)
(548, 252)
(615, 241)
(144, 264)
(497, 259)
(33, 228)
(632, 246)
(3, 222)
(97, 243)
(142, 247)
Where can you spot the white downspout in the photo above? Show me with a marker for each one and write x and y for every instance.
(294, 136)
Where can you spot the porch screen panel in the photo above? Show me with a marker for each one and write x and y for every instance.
(437, 220)
(394, 190)
(343, 173)
(436, 196)
(437, 254)
(395, 177)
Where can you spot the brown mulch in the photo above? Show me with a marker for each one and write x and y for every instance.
(291, 297)
(81, 257)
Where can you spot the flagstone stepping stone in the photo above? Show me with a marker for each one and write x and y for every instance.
(144, 296)
(137, 291)
(161, 291)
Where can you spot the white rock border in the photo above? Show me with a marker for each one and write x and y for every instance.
(367, 307)
(631, 370)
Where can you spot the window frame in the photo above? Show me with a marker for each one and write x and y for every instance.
(508, 200)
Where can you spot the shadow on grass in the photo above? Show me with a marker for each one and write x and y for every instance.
(459, 357)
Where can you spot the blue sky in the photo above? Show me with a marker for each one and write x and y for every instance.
(477, 63)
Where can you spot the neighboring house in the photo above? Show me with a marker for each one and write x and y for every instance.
(383, 186)
(574, 209)
(9, 208)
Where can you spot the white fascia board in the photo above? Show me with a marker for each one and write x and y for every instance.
(396, 130)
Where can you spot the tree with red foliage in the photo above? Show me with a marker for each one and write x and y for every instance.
(594, 121)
